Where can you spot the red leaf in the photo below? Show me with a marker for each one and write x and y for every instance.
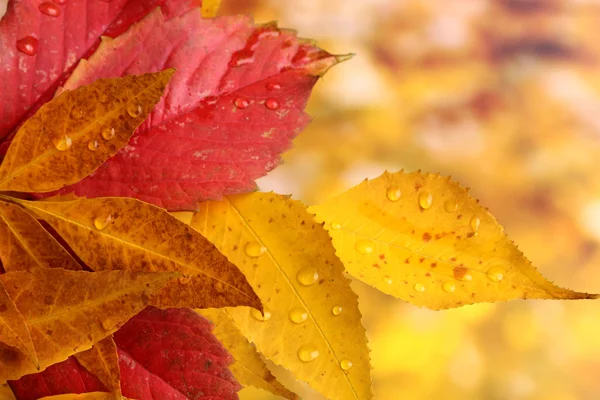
(163, 354)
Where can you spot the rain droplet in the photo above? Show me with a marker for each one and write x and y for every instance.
(308, 353)
(93, 145)
(298, 315)
(27, 45)
(495, 274)
(254, 249)
(393, 193)
(449, 286)
(475, 222)
(419, 287)
(273, 86)
(450, 206)
(346, 364)
(49, 9)
(241, 102)
(336, 225)
(134, 110)
(364, 246)
(76, 113)
(272, 104)
(108, 133)
(337, 310)
(260, 317)
(425, 200)
(387, 279)
(64, 143)
(307, 276)
(102, 222)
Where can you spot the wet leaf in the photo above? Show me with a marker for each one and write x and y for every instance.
(248, 368)
(312, 325)
(25, 244)
(424, 239)
(72, 135)
(13, 329)
(127, 234)
(102, 360)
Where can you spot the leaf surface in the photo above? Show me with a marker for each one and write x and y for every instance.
(102, 361)
(171, 354)
(25, 244)
(424, 239)
(72, 135)
(6, 392)
(68, 311)
(248, 368)
(115, 239)
(83, 396)
(13, 328)
(311, 313)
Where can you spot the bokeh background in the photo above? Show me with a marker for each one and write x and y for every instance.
(504, 95)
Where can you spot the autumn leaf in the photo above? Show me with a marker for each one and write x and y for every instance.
(72, 135)
(84, 396)
(13, 328)
(424, 239)
(25, 244)
(102, 361)
(210, 8)
(248, 368)
(106, 233)
(68, 311)
(6, 393)
(312, 325)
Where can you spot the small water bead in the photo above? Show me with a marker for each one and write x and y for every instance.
(272, 104)
(346, 364)
(337, 310)
(254, 249)
(241, 102)
(102, 222)
(462, 274)
(260, 317)
(93, 145)
(387, 279)
(495, 274)
(419, 287)
(475, 222)
(134, 110)
(336, 225)
(307, 276)
(449, 286)
(49, 9)
(425, 200)
(298, 315)
(308, 353)
(273, 86)
(364, 246)
(27, 45)
(64, 143)
(393, 193)
(108, 133)
(450, 206)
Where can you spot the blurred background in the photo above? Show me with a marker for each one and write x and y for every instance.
(504, 95)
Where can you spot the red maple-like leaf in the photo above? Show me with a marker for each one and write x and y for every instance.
(163, 354)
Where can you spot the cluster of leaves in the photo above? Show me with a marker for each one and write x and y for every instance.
(122, 205)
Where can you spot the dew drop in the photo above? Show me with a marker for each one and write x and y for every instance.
(462, 274)
(273, 86)
(134, 110)
(108, 133)
(307, 276)
(393, 193)
(260, 317)
(419, 287)
(102, 222)
(76, 113)
(387, 279)
(449, 286)
(364, 246)
(49, 9)
(241, 102)
(64, 143)
(298, 315)
(450, 206)
(308, 353)
(337, 310)
(425, 200)
(495, 274)
(93, 145)
(272, 104)
(346, 364)
(27, 45)
(254, 249)
(336, 225)
(475, 222)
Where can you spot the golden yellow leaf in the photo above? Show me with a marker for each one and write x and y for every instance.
(73, 134)
(249, 369)
(69, 311)
(422, 238)
(84, 396)
(311, 324)
(6, 392)
(13, 329)
(102, 361)
(106, 233)
(210, 8)
(25, 244)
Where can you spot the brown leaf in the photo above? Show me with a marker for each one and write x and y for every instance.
(72, 135)
(25, 244)
(102, 360)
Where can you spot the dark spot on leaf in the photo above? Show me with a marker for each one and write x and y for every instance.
(48, 300)
(459, 272)
(433, 264)
(426, 237)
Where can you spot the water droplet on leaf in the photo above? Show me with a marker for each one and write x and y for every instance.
(298, 315)
(419, 287)
(387, 279)
(307, 276)
(393, 193)
(49, 9)
(64, 143)
(337, 310)
(260, 317)
(450, 206)
(241, 102)
(273, 86)
(272, 104)
(475, 222)
(336, 225)
(364, 246)
(495, 274)
(346, 364)
(93, 145)
(27, 45)
(134, 110)
(254, 249)
(308, 353)
(108, 133)
(425, 200)
(449, 286)
(102, 222)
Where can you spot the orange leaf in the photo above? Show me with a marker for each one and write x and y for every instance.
(102, 360)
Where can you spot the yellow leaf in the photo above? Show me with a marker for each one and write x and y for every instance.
(25, 244)
(312, 325)
(422, 238)
(6, 392)
(73, 134)
(102, 361)
(13, 328)
(123, 233)
(69, 311)
(210, 8)
(84, 396)
(249, 369)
